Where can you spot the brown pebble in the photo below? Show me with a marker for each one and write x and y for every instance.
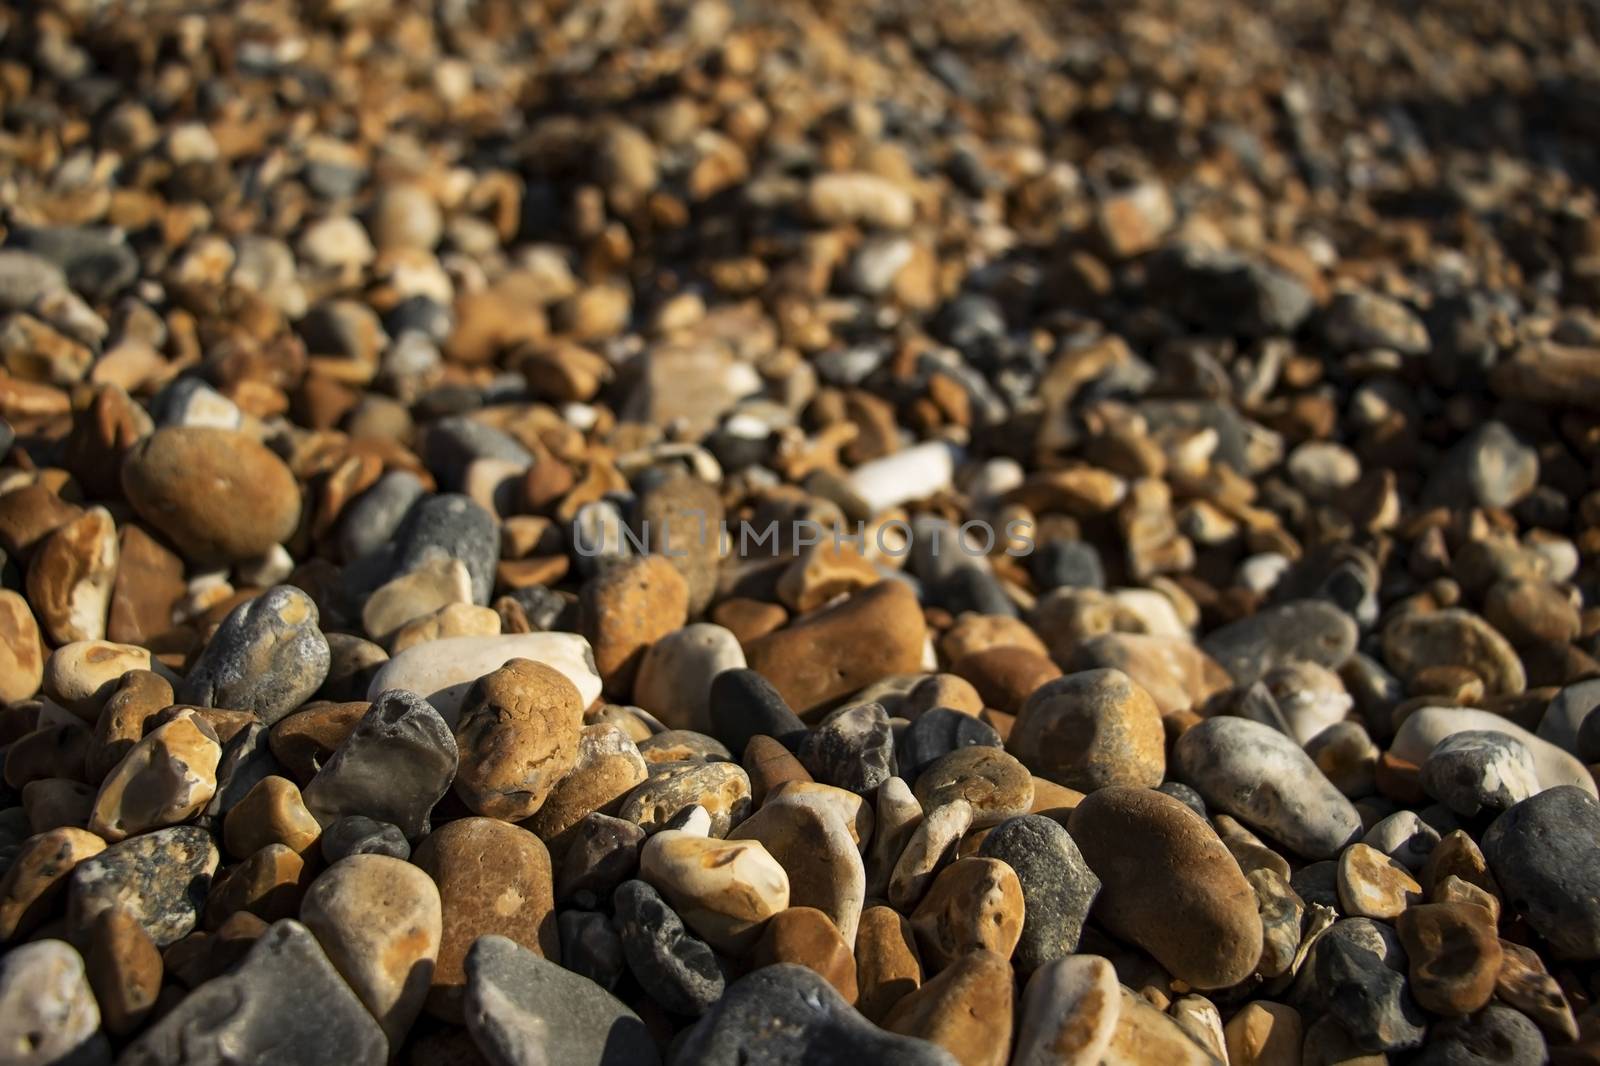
(990, 779)
(806, 936)
(305, 740)
(887, 965)
(1092, 729)
(517, 735)
(607, 768)
(138, 697)
(1453, 954)
(34, 883)
(749, 620)
(21, 649)
(626, 608)
(770, 766)
(974, 903)
(124, 968)
(272, 812)
(1005, 676)
(966, 1010)
(268, 884)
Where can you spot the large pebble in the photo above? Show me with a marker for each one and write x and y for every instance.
(1414, 641)
(722, 788)
(284, 1003)
(966, 1010)
(788, 1015)
(991, 780)
(517, 736)
(743, 704)
(676, 673)
(1303, 631)
(445, 527)
(161, 878)
(268, 656)
(1476, 770)
(815, 849)
(722, 889)
(378, 920)
(1263, 778)
(163, 780)
(1545, 852)
(36, 877)
(1357, 972)
(1169, 885)
(607, 767)
(220, 496)
(973, 904)
(1091, 729)
(1070, 1009)
(396, 764)
(443, 670)
(48, 1013)
(1058, 887)
(523, 1009)
(1423, 730)
(806, 936)
(1453, 956)
(625, 609)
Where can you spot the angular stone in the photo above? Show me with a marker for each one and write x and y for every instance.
(70, 578)
(966, 1010)
(1372, 885)
(852, 748)
(36, 877)
(723, 789)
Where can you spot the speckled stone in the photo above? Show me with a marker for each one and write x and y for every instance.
(1058, 888)
(268, 656)
(161, 878)
(722, 788)
(852, 748)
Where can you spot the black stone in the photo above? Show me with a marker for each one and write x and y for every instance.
(369, 521)
(1545, 852)
(675, 967)
(451, 444)
(968, 588)
(1058, 888)
(356, 834)
(603, 853)
(1495, 1036)
(937, 732)
(743, 704)
(591, 947)
(1357, 970)
(1059, 564)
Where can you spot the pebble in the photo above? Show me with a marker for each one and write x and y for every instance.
(992, 782)
(520, 1007)
(965, 1009)
(22, 653)
(974, 904)
(743, 705)
(788, 1015)
(852, 748)
(675, 674)
(1453, 954)
(355, 834)
(517, 735)
(161, 878)
(625, 609)
(48, 1012)
(1357, 969)
(1313, 631)
(284, 999)
(218, 495)
(888, 967)
(267, 656)
(1264, 1033)
(722, 788)
(492, 878)
(813, 845)
(1169, 885)
(724, 890)
(930, 848)
(677, 969)
(124, 970)
(1144, 1034)
(378, 920)
(807, 937)
(1091, 729)
(425, 589)
(1453, 637)
(1372, 885)
(601, 852)
(1058, 887)
(1070, 1009)
(1497, 1035)
(165, 779)
(607, 767)
(937, 732)
(442, 671)
(1542, 852)
(71, 575)
(1263, 778)
(1524, 984)
(1177, 674)
(1473, 771)
(1423, 730)
(271, 812)
(394, 766)
(36, 876)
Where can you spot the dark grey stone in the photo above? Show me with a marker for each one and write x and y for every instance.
(788, 1015)
(603, 853)
(370, 520)
(1058, 887)
(451, 444)
(450, 526)
(591, 948)
(97, 261)
(246, 759)
(1357, 970)
(1061, 564)
(1495, 1036)
(522, 1009)
(1307, 630)
(394, 766)
(161, 878)
(1184, 795)
(675, 967)
(743, 704)
(852, 748)
(935, 733)
(268, 656)
(1545, 852)
(968, 588)
(284, 1004)
(1479, 770)
(356, 834)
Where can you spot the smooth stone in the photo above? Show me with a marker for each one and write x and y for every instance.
(378, 919)
(352, 664)
(722, 788)
(1264, 1033)
(1524, 983)
(853, 810)
(770, 766)
(517, 735)
(1310, 697)
(937, 732)
(394, 766)
(910, 474)
(450, 526)
(522, 1009)
(220, 496)
(369, 521)
(417, 593)
(1372, 885)
(1404, 837)
(305, 741)
(625, 609)
(1264, 779)
(1058, 888)
(285, 1002)
(1498, 1036)
(165, 779)
(267, 885)
(973, 904)
(966, 1009)
(443, 670)
(815, 849)
(743, 705)
(1545, 853)
(680, 516)
(888, 967)
(677, 969)
(591, 948)
(895, 818)
(931, 846)
(724, 890)
(838, 650)
(1488, 467)
(1453, 956)
(1176, 673)
(1145, 1035)
(267, 656)
(602, 852)
(1356, 970)
(676, 673)
(48, 1013)
(272, 812)
(162, 878)
(493, 878)
(1347, 756)
(852, 748)
(991, 780)
(1422, 731)
(1302, 631)
(1169, 885)
(1472, 771)
(451, 620)
(1091, 729)
(82, 676)
(124, 969)
(1070, 1009)
(70, 578)
(607, 768)
(36, 878)
(1414, 641)
(356, 834)
(788, 1015)
(805, 936)
(1564, 718)
(22, 652)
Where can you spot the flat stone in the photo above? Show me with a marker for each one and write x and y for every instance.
(124, 969)
(522, 1008)
(396, 764)
(725, 890)
(48, 1013)
(1169, 885)
(285, 999)
(443, 670)
(1372, 885)
(493, 878)
(788, 1015)
(267, 656)
(1264, 779)
(161, 878)
(1058, 888)
(676, 968)
(1091, 729)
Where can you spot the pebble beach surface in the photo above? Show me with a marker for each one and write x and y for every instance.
(707, 533)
